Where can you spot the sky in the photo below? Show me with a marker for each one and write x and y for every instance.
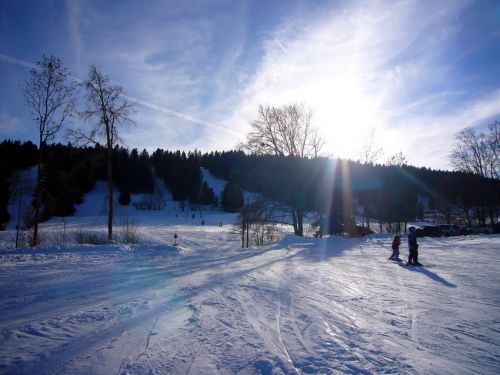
(412, 73)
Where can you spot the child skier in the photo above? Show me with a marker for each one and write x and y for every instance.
(395, 248)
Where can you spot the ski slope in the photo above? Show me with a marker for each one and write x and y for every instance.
(299, 306)
(206, 306)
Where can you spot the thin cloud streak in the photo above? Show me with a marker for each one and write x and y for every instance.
(74, 16)
(18, 62)
(182, 116)
(144, 103)
(425, 145)
(278, 43)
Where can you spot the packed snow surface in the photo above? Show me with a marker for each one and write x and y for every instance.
(206, 306)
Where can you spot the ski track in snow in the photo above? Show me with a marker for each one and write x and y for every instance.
(299, 306)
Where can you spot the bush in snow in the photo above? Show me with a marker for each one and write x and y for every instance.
(130, 231)
(84, 236)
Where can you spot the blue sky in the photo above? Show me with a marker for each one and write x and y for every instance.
(415, 72)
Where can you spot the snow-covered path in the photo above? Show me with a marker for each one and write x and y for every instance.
(300, 306)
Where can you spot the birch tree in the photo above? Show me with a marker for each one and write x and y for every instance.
(49, 96)
(109, 110)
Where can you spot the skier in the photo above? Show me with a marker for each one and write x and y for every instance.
(395, 248)
(413, 247)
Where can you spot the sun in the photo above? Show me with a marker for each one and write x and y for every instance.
(345, 115)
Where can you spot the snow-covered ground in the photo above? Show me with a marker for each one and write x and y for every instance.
(206, 306)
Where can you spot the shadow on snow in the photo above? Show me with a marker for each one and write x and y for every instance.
(429, 274)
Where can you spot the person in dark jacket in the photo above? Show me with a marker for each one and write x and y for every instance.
(413, 247)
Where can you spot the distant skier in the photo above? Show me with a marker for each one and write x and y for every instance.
(413, 247)
(395, 248)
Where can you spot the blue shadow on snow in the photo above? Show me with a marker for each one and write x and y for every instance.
(429, 274)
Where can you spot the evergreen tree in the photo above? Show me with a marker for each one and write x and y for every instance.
(124, 198)
(207, 195)
(232, 197)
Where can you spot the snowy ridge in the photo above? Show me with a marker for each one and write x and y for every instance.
(216, 184)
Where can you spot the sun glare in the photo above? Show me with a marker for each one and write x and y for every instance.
(345, 116)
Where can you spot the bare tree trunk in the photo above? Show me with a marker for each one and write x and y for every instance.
(297, 220)
(294, 222)
(321, 225)
(300, 221)
(243, 226)
(110, 192)
(34, 240)
(18, 219)
(467, 216)
(248, 234)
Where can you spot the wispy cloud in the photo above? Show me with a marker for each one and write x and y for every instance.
(170, 66)
(183, 116)
(370, 66)
(278, 43)
(13, 60)
(74, 11)
(431, 143)
(199, 71)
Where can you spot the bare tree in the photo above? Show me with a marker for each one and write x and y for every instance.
(493, 141)
(397, 159)
(284, 131)
(317, 143)
(478, 152)
(49, 95)
(260, 222)
(108, 106)
(370, 152)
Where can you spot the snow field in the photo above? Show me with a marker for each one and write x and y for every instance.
(206, 306)
(298, 306)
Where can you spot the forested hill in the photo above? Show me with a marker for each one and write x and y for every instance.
(339, 188)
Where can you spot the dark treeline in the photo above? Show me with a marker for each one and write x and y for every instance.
(341, 189)
(13, 155)
(337, 190)
(69, 172)
(181, 172)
